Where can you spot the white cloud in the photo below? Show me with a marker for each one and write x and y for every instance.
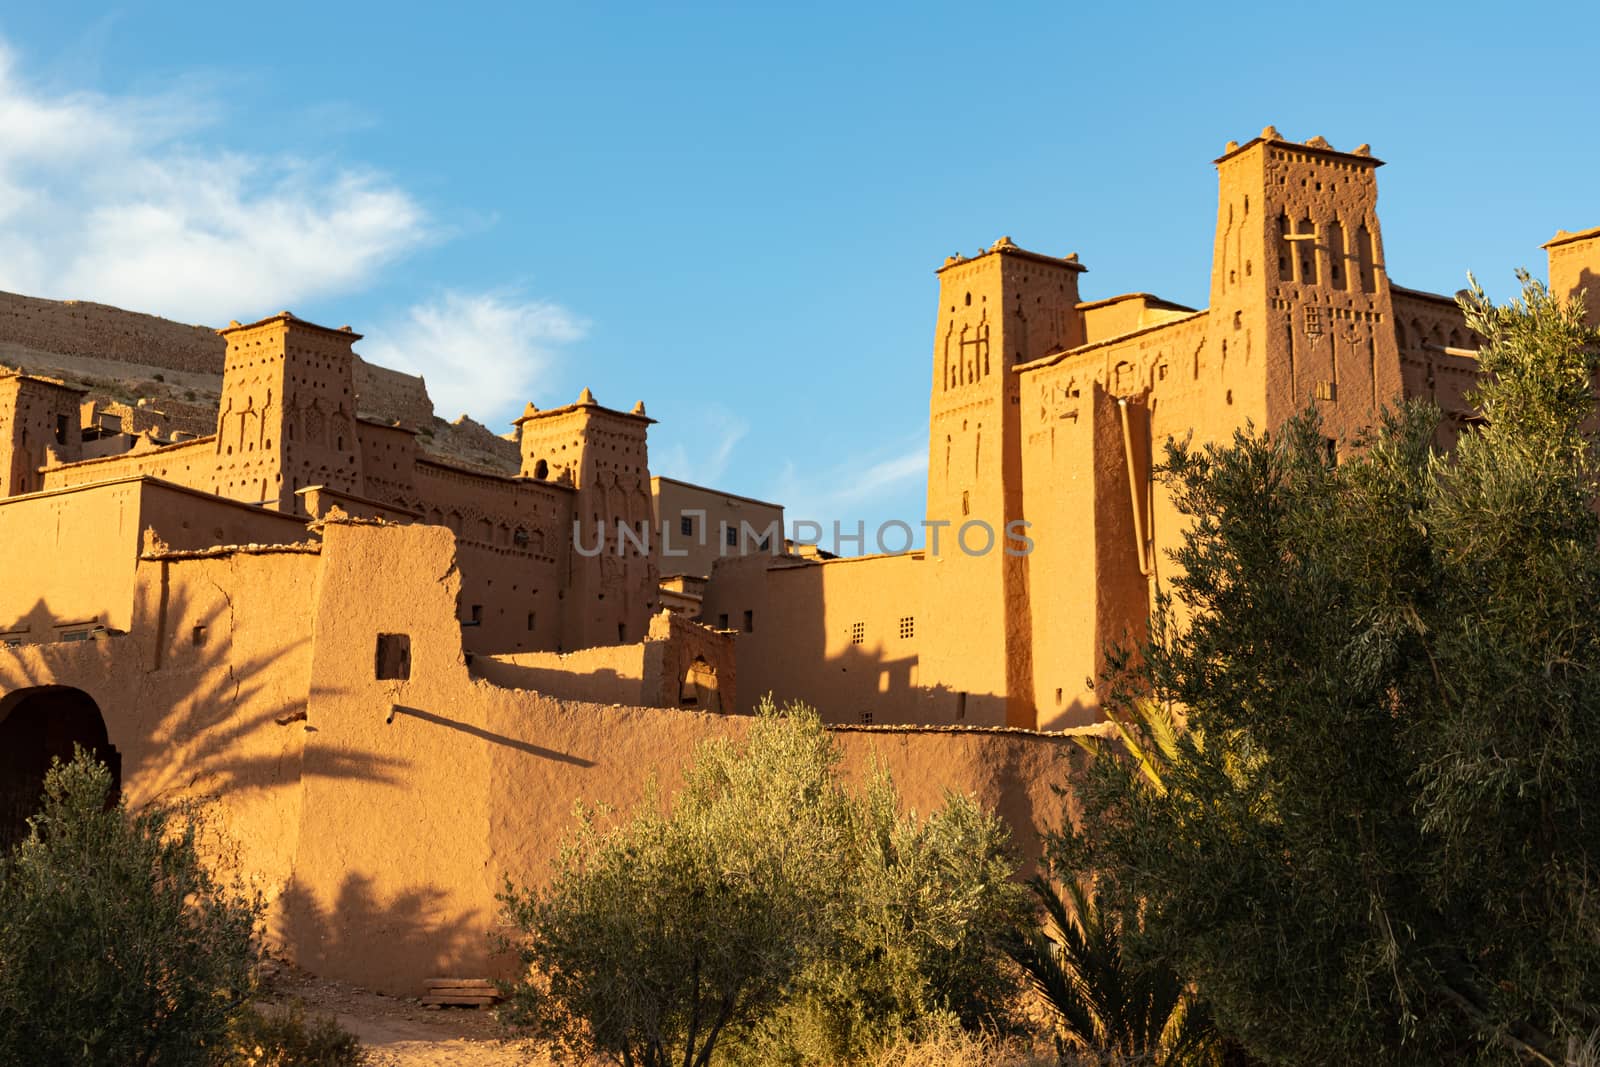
(850, 493)
(704, 466)
(477, 350)
(109, 199)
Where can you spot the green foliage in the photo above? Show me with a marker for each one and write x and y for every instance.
(921, 941)
(117, 945)
(1375, 840)
(770, 910)
(1102, 1003)
(268, 1038)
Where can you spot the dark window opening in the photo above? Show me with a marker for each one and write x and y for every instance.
(393, 657)
(908, 627)
(731, 535)
(530, 620)
(858, 633)
(198, 636)
(749, 622)
(61, 429)
(961, 705)
(722, 621)
(686, 526)
(622, 631)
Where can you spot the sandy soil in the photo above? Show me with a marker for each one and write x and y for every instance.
(399, 1031)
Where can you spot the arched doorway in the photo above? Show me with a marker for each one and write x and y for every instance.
(36, 726)
(698, 687)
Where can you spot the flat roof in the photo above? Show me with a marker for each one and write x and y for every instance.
(154, 482)
(1150, 298)
(1056, 357)
(716, 492)
(1423, 294)
(342, 332)
(1298, 146)
(1563, 237)
(1006, 247)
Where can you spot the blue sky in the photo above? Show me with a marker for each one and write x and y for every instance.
(734, 212)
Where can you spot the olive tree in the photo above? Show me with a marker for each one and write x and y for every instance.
(1360, 800)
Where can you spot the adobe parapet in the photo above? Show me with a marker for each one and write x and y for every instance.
(1361, 155)
(1006, 247)
(288, 318)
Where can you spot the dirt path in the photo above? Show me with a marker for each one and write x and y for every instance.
(399, 1031)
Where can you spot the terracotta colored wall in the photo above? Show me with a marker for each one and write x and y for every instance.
(38, 423)
(698, 551)
(77, 550)
(1574, 261)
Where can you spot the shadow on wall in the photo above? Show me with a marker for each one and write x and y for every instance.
(413, 936)
(214, 721)
(173, 708)
(866, 685)
(487, 735)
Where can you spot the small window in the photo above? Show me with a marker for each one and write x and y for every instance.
(866, 718)
(476, 616)
(686, 525)
(198, 636)
(908, 627)
(749, 622)
(1330, 449)
(1058, 694)
(722, 621)
(858, 633)
(530, 622)
(61, 429)
(732, 535)
(622, 631)
(961, 705)
(393, 659)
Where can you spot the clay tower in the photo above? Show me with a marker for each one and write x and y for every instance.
(1004, 307)
(1575, 268)
(1298, 249)
(39, 424)
(603, 455)
(287, 416)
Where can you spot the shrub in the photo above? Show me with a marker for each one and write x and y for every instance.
(117, 945)
(284, 1038)
(771, 910)
(921, 941)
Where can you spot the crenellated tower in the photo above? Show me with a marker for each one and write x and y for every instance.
(287, 415)
(1299, 293)
(603, 455)
(997, 310)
